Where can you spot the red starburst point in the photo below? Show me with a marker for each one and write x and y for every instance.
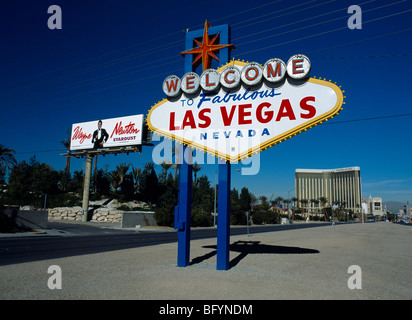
(205, 50)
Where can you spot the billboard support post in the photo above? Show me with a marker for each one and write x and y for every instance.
(86, 187)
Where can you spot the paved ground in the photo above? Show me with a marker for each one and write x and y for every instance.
(295, 264)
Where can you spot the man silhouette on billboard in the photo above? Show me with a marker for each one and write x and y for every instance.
(99, 136)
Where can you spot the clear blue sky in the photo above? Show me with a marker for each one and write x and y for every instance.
(111, 57)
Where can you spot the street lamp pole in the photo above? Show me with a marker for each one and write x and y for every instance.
(247, 223)
(289, 203)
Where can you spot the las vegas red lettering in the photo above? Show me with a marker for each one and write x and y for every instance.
(129, 129)
(242, 114)
(79, 135)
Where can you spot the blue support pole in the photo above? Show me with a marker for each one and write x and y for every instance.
(183, 212)
(223, 218)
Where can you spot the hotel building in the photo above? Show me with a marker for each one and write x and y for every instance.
(336, 185)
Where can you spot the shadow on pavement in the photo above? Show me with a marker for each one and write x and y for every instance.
(253, 247)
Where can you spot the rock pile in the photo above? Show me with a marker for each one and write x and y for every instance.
(101, 211)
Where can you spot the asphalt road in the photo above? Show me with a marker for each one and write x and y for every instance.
(302, 263)
(66, 239)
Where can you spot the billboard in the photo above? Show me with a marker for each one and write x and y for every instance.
(107, 133)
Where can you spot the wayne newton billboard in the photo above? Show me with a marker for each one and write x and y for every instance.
(107, 133)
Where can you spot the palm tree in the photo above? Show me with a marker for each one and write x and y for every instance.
(263, 199)
(122, 169)
(272, 204)
(323, 201)
(286, 204)
(166, 165)
(294, 200)
(304, 205)
(78, 178)
(343, 207)
(136, 175)
(317, 202)
(149, 167)
(7, 159)
(358, 211)
(175, 153)
(278, 200)
(114, 179)
(337, 204)
(196, 168)
(66, 144)
(95, 164)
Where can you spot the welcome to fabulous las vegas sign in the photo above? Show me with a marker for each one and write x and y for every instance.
(243, 108)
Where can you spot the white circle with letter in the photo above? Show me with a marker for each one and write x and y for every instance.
(274, 70)
(252, 73)
(190, 82)
(209, 80)
(171, 86)
(230, 77)
(298, 66)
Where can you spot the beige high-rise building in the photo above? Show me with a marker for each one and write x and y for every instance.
(336, 185)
